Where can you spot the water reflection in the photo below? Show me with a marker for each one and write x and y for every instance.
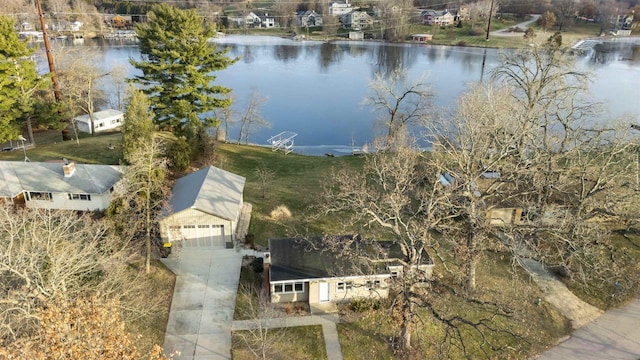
(316, 88)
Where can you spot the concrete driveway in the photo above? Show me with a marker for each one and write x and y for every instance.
(614, 335)
(203, 302)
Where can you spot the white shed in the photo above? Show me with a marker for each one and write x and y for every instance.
(102, 120)
(204, 209)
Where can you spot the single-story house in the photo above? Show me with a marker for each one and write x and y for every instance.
(302, 270)
(437, 17)
(204, 209)
(102, 121)
(66, 185)
(356, 35)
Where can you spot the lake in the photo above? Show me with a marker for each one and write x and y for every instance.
(316, 89)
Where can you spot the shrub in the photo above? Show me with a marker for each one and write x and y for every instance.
(280, 213)
(476, 32)
(362, 305)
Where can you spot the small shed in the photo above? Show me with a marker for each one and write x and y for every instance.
(102, 121)
(204, 209)
(356, 35)
(421, 37)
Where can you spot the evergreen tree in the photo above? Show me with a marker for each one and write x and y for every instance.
(138, 124)
(19, 80)
(178, 65)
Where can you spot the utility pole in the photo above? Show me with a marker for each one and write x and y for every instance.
(488, 24)
(47, 47)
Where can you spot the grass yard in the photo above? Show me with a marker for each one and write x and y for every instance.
(296, 184)
(300, 343)
(92, 149)
(152, 327)
(366, 336)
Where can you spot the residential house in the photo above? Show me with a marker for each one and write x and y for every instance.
(437, 17)
(67, 186)
(339, 8)
(309, 18)
(204, 209)
(302, 270)
(266, 21)
(356, 35)
(252, 20)
(102, 121)
(75, 26)
(462, 14)
(358, 20)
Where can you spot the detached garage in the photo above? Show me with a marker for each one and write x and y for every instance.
(204, 209)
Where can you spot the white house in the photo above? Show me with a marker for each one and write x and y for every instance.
(437, 17)
(204, 209)
(304, 270)
(309, 18)
(339, 8)
(66, 185)
(358, 20)
(102, 121)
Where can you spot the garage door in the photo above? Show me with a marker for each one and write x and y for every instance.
(203, 236)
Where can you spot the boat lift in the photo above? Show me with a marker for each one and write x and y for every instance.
(282, 141)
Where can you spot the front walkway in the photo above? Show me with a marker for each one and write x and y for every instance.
(328, 323)
(204, 297)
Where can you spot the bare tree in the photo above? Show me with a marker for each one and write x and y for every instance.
(397, 194)
(395, 18)
(565, 11)
(401, 103)
(547, 20)
(251, 118)
(265, 175)
(48, 256)
(285, 13)
(261, 338)
(79, 79)
(142, 194)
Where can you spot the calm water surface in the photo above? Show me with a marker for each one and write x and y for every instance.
(316, 89)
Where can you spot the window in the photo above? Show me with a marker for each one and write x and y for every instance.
(344, 286)
(115, 121)
(203, 226)
(39, 196)
(85, 197)
(189, 226)
(288, 288)
(394, 273)
(372, 284)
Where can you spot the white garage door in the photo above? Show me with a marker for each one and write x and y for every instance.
(203, 236)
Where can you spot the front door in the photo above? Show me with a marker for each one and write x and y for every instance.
(323, 291)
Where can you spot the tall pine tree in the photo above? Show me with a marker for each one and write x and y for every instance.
(178, 65)
(19, 81)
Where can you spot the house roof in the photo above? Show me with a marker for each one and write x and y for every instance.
(211, 190)
(18, 176)
(298, 259)
(100, 115)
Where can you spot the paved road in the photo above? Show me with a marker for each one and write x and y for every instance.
(614, 335)
(203, 302)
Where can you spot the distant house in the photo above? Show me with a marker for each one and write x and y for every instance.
(462, 14)
(25, 26)
(252, 20)
(264, 20)
(437, 17)
(204, 209)
(358, 20)
(421, 37)
(66, 186)
(339, 8)
(118, 22)
(102, 121)
(75, 26)
(309, 18)
(299, 270)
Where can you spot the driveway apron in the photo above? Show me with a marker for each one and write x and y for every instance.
(204, 296)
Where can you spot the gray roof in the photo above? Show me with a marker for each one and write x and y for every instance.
(211, 190)
(18, 176)
(299, 259)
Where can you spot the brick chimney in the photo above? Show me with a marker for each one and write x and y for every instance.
(68, 168)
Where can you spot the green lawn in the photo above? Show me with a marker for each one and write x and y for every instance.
(296, 184)
(300, 343)
(91, 149)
